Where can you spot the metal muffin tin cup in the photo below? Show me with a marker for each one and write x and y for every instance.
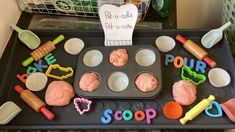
(132, 69)
(92, 58)
(98, 76)
(118, 81)
(145, 57)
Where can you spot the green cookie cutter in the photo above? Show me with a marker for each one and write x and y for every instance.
(197, 78)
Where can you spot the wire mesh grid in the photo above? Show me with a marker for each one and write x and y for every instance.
(83, 8)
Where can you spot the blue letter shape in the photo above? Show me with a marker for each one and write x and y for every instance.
(191, 63)
(169, 58)
(39, 65)
(201, 66)
(107, 118)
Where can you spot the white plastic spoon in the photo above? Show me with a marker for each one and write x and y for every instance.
(8, 111)
(214, 36)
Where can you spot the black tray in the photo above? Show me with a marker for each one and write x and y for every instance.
(68, 118)
(105, 69)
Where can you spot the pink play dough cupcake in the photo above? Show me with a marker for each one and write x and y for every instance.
(146, 82)
(59, 93)
(184, 92)
(118, 57)
(89, 82)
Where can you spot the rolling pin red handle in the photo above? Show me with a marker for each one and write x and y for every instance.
(19, 89)
(181, 39)
(48, 114)
(209, 61)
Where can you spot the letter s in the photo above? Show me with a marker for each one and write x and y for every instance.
(107, 118)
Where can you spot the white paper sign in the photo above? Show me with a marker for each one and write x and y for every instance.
(118, 23)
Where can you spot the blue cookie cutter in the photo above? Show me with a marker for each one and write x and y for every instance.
(218, 108)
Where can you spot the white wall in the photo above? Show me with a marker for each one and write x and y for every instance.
(9, 14)
(199, 13)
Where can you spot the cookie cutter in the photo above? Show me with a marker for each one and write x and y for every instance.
(215, 105)
(63, 69)
(197, 78)
(82, 101)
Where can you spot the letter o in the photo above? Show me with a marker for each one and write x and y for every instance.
(178, 62)
(139, 115)
(127, 115)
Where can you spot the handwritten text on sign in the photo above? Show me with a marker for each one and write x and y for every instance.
(118, 23)
(109, 15)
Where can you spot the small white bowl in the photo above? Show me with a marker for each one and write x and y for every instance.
(118, 81)
(93, 58)
(218, 77)
(74, 46)
(165, 43)
(36, 81)
(145, 57)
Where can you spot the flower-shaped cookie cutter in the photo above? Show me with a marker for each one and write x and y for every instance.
(62, 69)
(187, 74)
(76, 101)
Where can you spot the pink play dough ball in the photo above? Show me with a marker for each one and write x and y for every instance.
(59, 93)
(184, 92)
(146, 82)
(118, 57)
(89, 82)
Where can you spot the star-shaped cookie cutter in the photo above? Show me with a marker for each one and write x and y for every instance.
(82, 100)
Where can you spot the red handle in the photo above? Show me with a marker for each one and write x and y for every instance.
(19, 89)
(181, 39)
(209, 61)
(48, 114)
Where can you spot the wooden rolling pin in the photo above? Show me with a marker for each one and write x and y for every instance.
(196, 51)
(43, 50)
(34, 102)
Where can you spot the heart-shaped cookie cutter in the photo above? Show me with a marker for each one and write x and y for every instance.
(200, 77)
(63, 69)
(218, 108)
(84, 101)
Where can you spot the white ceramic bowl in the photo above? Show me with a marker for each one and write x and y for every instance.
(36, 81)
(74, 46)
(218, 77)
(165, 43)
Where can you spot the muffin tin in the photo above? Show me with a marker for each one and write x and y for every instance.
(119, 82)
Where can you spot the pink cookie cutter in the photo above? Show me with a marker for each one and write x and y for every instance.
(76, 101)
